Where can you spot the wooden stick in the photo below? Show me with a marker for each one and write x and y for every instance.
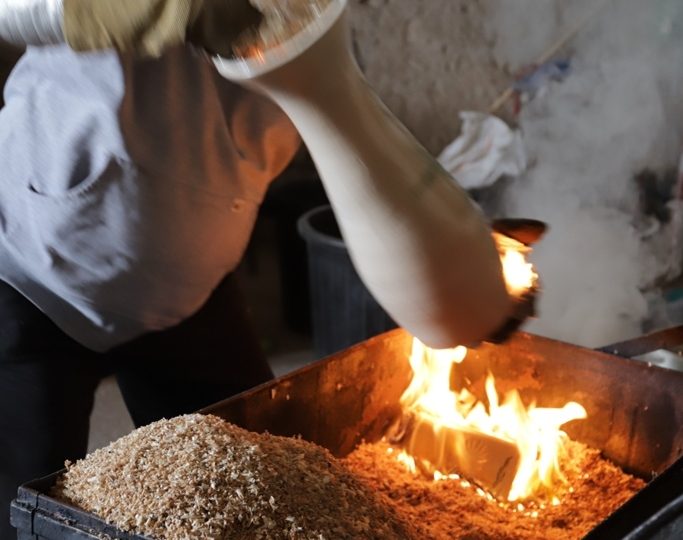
(554, 48)
(489, 461)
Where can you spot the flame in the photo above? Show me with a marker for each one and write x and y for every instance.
(497, 430)
(534, 431)
(518, 273)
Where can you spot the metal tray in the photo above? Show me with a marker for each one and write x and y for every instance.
(635, 417)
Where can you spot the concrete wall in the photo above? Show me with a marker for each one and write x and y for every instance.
(428, 60)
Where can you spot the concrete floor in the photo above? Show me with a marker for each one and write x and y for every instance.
(286, 350)
(110, 419)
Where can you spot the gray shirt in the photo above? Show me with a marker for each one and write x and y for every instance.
(128, 189)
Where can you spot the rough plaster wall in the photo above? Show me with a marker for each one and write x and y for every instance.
(427, 60)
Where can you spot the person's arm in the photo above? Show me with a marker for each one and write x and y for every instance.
(145, 27)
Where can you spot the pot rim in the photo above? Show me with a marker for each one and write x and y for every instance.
(244, 69)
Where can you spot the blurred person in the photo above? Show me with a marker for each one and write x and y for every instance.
(130, 180)
(131, 174)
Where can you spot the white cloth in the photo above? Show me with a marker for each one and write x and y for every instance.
(486, 150)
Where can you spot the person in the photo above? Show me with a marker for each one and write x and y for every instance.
(131, 174)
(130, 182)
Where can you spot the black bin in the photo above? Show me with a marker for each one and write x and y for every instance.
(343, 312)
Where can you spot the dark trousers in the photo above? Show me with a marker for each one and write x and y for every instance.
(47, 380)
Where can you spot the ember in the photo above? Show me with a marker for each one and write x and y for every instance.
(453, 508)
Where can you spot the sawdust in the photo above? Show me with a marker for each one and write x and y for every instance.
(199, 477)
(454, 509)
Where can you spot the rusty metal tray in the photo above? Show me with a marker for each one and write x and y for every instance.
(635, 416)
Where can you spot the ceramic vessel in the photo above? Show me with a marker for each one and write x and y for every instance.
(421, 246)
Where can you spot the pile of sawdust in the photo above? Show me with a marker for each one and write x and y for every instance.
(199, 477)
(455, 509)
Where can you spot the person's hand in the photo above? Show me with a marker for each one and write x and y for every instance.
(149, 27)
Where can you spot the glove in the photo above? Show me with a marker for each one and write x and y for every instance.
(149, 27)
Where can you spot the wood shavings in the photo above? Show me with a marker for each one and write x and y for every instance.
(455, 509)
(199, 477)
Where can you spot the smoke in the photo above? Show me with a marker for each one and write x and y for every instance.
(620, 111)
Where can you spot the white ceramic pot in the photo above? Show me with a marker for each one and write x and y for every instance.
(423, 249)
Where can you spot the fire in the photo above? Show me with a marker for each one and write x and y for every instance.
(515, 449)
(519, 274)
(511, 449)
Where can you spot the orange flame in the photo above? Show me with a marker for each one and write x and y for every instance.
(533, 434)
(534, 431)
(519, 274)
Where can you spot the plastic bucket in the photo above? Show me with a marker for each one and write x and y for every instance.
(343, 312)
